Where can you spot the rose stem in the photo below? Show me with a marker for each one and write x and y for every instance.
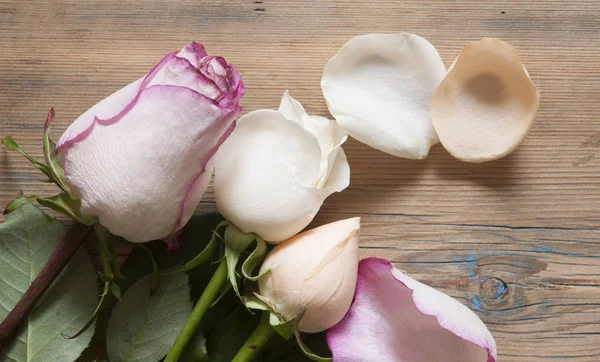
(58, 260)
(257, 340)
(210, 294)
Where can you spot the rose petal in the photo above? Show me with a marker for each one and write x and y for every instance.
(329, 134)
(200, 184)
(339, 173)
(486, 105)
(379, 86)
(291, 108)
(193, 52)
(136, 180)
(107, 110)
(264, 173)
(173, 69)
(396, 319)
(180, 72)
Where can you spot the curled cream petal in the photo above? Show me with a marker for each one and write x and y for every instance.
(291, 108)
(314, 273)
(378, 87)
(330, 137)
(339, 174)
(327, 132)
(486, 105)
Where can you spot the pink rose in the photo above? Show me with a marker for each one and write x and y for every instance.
(140, 160)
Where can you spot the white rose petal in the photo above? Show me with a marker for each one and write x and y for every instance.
(378, 88)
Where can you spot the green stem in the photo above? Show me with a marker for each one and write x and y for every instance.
(207, 298)
(257, 340)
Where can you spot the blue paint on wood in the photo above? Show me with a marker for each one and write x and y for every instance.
(541, 249)
(476, 303)
(472, 275)
(469, 264)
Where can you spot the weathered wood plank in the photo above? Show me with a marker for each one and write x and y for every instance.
(517, 239)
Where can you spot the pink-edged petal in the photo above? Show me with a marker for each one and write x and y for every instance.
(105, 109)
(198, 187)
(108, 110)
(394, 318)
(137, 192)
(171, 70)
(180, 72)
(193, 52)
(227, 79)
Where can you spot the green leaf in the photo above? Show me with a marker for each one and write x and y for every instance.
(96, 350)
(27, 239)
(18, 202)
(196, 234)
(103, 303)
(56, 172)
(12, 145)
(154, 276)
(143, 326)
(64, 204)
(108, 254)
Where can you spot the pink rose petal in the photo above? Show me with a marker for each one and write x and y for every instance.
(397, 319)
(193, 52)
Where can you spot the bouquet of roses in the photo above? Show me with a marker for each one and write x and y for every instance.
(247, 284)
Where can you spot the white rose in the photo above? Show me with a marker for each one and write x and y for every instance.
(274, 172)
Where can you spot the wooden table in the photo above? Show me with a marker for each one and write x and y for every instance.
(516, 240)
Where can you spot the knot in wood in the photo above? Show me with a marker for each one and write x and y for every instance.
(493, 289)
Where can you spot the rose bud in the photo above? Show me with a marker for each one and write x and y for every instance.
(140, 160)
(274, 172)
(313, 274)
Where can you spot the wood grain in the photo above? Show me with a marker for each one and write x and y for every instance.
(517, 240)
